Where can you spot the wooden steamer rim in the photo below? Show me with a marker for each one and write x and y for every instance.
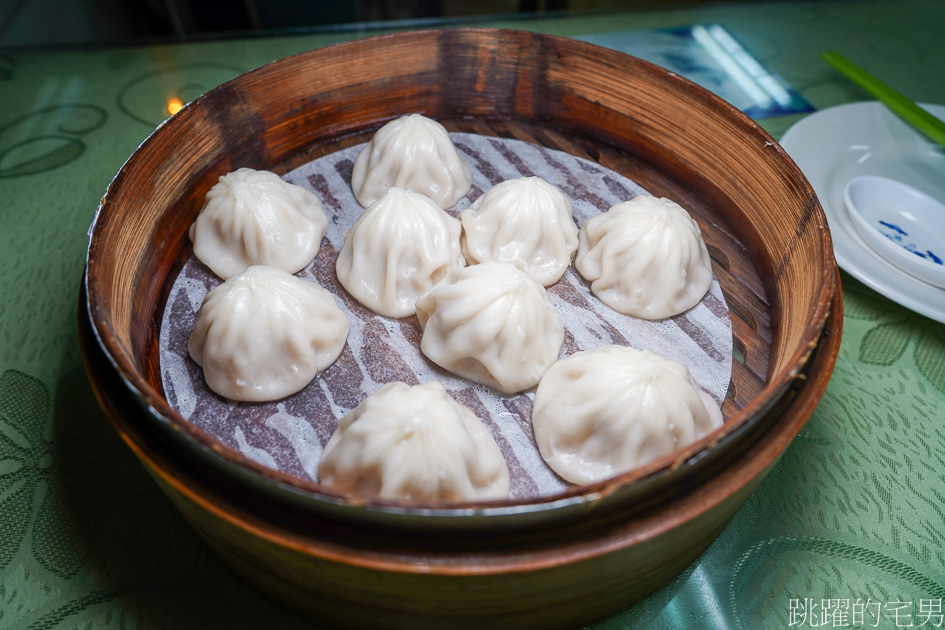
(673, 137)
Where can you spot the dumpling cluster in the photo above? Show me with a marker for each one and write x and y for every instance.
(397, 250)
(417, 444)
(256, 218)
(527, 222)
(412, 152)
(403, 244)
(265, 334)
(606, 411)
(645, 257)
(493, 324)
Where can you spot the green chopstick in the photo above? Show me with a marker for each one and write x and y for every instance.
(925, 122)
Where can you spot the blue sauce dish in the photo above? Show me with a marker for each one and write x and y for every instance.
(903, 225)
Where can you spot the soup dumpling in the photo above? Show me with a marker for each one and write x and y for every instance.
(602, 412)
(256, 218)
(412, 152)
(493, 324)
(265, 334)
(397, 250)
(527, 222)
(645, 257)
(417, 444)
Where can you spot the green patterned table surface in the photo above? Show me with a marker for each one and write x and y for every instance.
(848, 530)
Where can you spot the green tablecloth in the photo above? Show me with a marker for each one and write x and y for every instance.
(847, 531)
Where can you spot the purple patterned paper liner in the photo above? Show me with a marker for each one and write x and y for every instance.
(288, 435)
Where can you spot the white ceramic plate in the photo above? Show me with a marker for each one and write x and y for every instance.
(837, 144)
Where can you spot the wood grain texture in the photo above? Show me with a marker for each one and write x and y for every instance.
(770, 248)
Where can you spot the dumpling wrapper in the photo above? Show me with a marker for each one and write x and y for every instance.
(397, 250)
(412, 152)
(645, 257)
(256, 218)
(265, 334)
(415, 444)
(602, 412)
(493, 324)
(527, 222)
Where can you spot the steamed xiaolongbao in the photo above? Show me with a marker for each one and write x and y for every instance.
(256, 218)
(399, 247)
(603, 412)
(493, 324)
(264, 334)
(526, 222)
(645, 257)
(412, 152)
(416, 444)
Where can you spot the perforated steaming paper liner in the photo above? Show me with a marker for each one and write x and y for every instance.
(288, 435)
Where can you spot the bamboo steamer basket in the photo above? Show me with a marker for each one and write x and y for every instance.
(548, 562)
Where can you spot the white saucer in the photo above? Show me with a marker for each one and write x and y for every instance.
(837, 144)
